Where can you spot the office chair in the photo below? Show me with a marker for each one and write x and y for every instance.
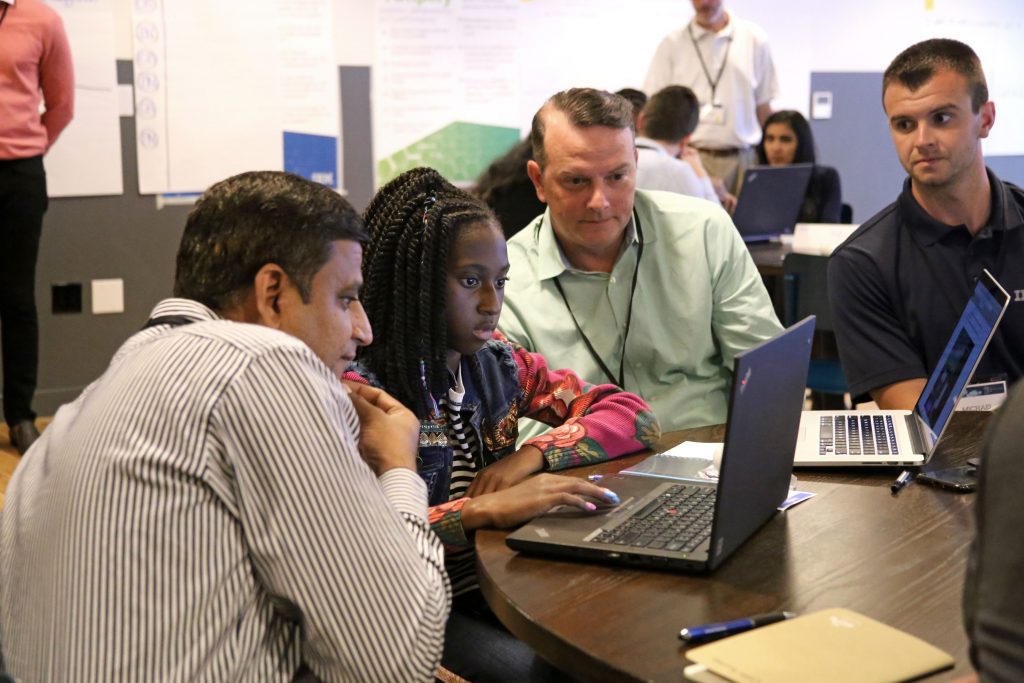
(805, 292)
(846, 214)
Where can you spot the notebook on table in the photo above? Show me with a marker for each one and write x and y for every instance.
(905, 437)
(836, 645)
(693, 526)
(770, 200)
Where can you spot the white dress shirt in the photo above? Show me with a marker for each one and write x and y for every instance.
(656, 170)
(748, 78)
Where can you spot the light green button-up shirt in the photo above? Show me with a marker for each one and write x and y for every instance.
(699, 301)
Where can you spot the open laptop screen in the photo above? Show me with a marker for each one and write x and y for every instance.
(961, 355)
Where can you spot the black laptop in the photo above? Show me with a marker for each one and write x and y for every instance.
(770, 200)
(694, 526)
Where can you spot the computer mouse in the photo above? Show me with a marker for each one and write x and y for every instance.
(600, 503)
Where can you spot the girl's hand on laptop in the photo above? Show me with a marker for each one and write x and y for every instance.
(507, 472)
(535, 496)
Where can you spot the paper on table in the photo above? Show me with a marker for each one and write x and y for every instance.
(697, 449)
(795, 497)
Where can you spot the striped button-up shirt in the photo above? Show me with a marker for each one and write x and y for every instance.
(201, 513)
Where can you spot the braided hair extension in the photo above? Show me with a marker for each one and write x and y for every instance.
(413, 222)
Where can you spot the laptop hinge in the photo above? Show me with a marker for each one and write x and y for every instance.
(916, 433)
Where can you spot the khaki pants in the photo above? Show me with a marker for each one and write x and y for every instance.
(730, 167)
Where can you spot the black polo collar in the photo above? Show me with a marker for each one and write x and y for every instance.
(1005, 214)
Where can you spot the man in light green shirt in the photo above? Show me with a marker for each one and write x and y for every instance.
(652, 291)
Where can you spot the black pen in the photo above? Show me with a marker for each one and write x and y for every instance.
(901, 481)
(697, 634)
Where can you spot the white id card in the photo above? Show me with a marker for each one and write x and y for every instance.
(712, 114)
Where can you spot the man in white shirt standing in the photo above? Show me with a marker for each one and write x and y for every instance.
(726, 61)
(665, 160)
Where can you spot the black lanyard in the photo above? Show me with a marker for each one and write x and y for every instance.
(3, 14)
(707, 72)
(629, 315)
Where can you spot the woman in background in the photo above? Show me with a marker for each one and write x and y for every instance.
(508, 190)
(786, 139)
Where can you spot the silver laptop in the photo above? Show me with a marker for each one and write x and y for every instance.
(770, 200)
(904, 437)
(691, 526)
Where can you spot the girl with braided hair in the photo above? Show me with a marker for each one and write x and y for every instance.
(434, 274)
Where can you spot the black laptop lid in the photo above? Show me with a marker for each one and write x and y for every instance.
(770, 200)
(760, 437)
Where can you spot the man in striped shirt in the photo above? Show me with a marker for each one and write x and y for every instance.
(217, 505)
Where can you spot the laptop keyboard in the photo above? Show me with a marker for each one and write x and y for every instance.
(857, 435)
(678, 519)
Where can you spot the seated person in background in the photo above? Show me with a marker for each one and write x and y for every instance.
(506, 188)
(216, 506)
(993, 591)
(664, 159)
(638, 98)
(786, 139)
(899, 284)
(653, 292)
(436, 267)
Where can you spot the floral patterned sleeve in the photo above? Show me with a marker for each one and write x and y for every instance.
(445, 519)
(446, 522)
(592, 422)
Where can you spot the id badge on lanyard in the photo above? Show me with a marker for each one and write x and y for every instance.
(712, 114)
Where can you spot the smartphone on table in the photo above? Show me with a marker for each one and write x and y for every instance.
(962, 479)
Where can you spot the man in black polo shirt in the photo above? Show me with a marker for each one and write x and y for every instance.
(900, 282)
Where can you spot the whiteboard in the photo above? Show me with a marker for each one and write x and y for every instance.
(456, 82)
(222, 88)
(427, 56)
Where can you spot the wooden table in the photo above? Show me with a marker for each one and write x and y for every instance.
(899, 559)
(768, 256)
